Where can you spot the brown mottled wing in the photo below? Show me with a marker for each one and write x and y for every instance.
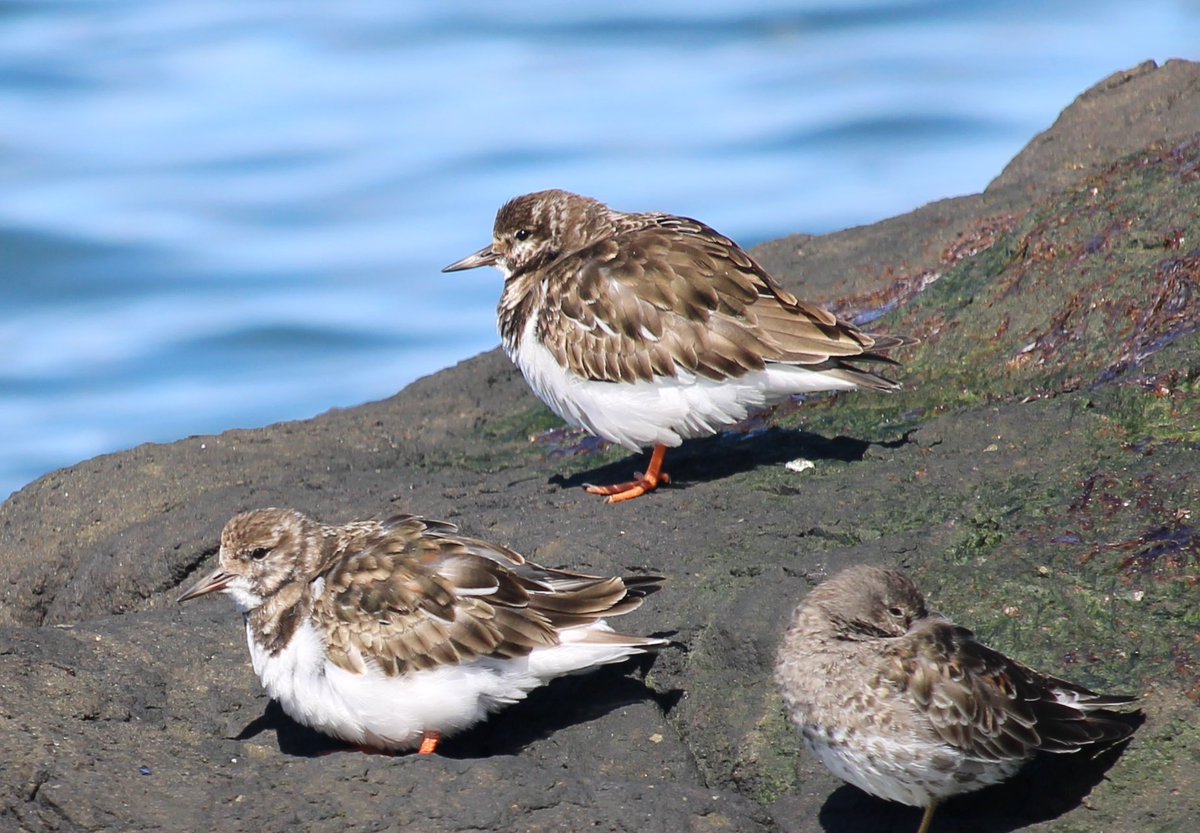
(416, 595)
(668, 292)
(993, 707)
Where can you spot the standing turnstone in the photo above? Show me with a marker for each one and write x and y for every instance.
(904, 704)
(390, 634)
(650, 329)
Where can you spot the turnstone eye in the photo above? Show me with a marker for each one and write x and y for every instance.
(522, 234)
(259, 553)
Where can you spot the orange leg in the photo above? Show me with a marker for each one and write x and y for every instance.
(429, 742)
(641, 483)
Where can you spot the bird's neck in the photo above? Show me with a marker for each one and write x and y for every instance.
(520, 299)
(273, 623)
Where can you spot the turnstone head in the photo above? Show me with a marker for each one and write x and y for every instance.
(904, 704)
(650, 329)
(390, 634)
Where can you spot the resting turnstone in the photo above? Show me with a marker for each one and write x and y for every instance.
(904, 704)
(391, 634)
(650, 329)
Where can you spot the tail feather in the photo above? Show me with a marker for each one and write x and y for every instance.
(573, 600)
(1075, 717)
(587, 647)
(598, 636)
(860, 378)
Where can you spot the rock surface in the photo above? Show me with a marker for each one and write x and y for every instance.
(1038, 475)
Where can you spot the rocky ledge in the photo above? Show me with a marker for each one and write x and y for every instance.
(1038, 476)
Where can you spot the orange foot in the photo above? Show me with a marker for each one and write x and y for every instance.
(429, 742)
(641, 484)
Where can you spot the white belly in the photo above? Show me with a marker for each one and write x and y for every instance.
(912, 773)
(667, 410)
(393, 712)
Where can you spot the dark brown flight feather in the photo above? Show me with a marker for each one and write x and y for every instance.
(994, 707)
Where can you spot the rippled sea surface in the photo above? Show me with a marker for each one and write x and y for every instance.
(225, 215)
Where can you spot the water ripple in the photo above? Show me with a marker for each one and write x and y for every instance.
(223, 215)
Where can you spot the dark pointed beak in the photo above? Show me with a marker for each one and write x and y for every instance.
(483, 257)
(214, 581)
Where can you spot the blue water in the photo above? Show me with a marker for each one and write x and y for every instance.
(225, 215)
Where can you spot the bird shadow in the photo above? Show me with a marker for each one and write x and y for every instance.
(291, 737)
(732, 452)
(565, 702)
(1044, 789)
(562, 703)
